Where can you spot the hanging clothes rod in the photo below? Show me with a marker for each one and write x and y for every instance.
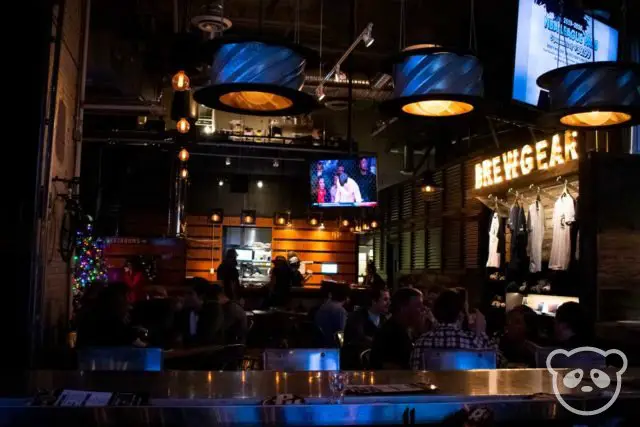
(567, 185)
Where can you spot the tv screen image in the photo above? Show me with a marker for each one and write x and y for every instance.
(538, 37)
(348, 182)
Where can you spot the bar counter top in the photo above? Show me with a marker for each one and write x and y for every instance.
(511, 397)
(251, 387)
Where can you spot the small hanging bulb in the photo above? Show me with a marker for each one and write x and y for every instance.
(227, 161)
(183, 126)
(184, 173)
(180, 81)
(183, 155)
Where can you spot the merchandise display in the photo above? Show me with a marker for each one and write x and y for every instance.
(563, 216)
(535, 228)
(494, 255)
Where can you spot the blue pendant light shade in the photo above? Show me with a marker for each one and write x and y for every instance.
(593, 95)
(257, 78)
(433, 82)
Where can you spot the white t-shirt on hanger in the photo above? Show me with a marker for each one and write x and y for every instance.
(535, 227)
(494, 256)
(564, 213)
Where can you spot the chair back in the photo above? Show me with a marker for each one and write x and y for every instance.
(584, 360)
(302, 359)
(458, 360)
(120, 359)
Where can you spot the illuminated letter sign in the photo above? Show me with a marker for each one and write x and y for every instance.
(530, 157)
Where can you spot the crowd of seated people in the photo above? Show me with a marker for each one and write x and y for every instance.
(395, 330)
(205, 316)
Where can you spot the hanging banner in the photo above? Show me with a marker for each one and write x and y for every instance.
(541, 156)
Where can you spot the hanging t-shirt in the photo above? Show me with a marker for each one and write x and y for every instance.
(518, 226)
(494, 255)
(535, 226)
(563, 215)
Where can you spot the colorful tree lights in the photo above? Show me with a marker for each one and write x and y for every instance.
(89, 264)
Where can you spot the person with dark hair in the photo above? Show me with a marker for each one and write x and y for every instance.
(520, 331)
(570, 327)
(156, 315)
(366, 180)
(280, 282)
(449, 311)
(200, 322)
(228, 274)
(234, 320)
(331, 317)
(393, 343)
(363, 324)
(107, 323)
(372, 279)
(134, 279)
(347, 190)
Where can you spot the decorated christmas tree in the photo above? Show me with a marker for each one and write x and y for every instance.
(89, 264)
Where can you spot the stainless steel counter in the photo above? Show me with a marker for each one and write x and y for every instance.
(234, 398)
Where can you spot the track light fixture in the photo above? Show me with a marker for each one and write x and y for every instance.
(248, 217)
(216, 216)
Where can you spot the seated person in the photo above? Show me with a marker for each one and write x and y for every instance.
(234, 319)
(363, 324)
(156, 315)
(393, 343)
(570, 327)
(521, 330)
(200, 321)
(331, 317)
(448, 333)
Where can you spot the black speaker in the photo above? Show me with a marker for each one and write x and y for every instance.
(239, 184)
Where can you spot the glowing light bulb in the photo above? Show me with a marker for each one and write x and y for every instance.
(184, 173)
(227, 161)
(183, 155)
(220, 183)
(374, 224)
(428, 189)
(313, 221)
(281, 221)
(211, 270)
(180, 81)
(248, 219)
(260, 184)
(215, 218)
(345, 222)
(322, 226)
(208, 130)
(437, 108)
(183, 126)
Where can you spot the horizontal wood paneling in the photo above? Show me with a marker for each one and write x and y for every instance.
(312, 245)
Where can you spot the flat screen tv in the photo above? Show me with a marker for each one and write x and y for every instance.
(346, 182)
(538, 37)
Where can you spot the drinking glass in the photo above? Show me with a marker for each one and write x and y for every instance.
(338, 382)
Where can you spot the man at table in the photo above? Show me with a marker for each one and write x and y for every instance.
(201, 321)
(234, 319)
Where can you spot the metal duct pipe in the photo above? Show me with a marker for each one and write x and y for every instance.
(407, 160)
(155, 110)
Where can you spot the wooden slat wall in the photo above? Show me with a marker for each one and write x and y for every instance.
(405, 251)
(453, 189)
(434, 252)
(407, 200)
(452, 251)
(471, 242)
(318, 246)
(418, 253)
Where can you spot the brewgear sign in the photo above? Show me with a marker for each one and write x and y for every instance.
(541, 156)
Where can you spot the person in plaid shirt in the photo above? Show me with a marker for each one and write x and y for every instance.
(448, 333)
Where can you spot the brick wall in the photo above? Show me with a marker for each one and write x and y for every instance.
(55, 270)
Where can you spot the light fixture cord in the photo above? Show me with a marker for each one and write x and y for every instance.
(321, 33)
(403, 26)
(473, 39)
(213, 238)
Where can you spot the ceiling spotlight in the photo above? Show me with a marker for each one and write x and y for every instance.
(208, 130)
(320, 93)
(183, 155)
(276, 163)
(180, 81)
(260, 184)
(183, 125)
(227, 161)
(366, 35)
(220, 183)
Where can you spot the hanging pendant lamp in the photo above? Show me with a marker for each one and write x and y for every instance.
(593, 95)
(435, 82)
(257, 77)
